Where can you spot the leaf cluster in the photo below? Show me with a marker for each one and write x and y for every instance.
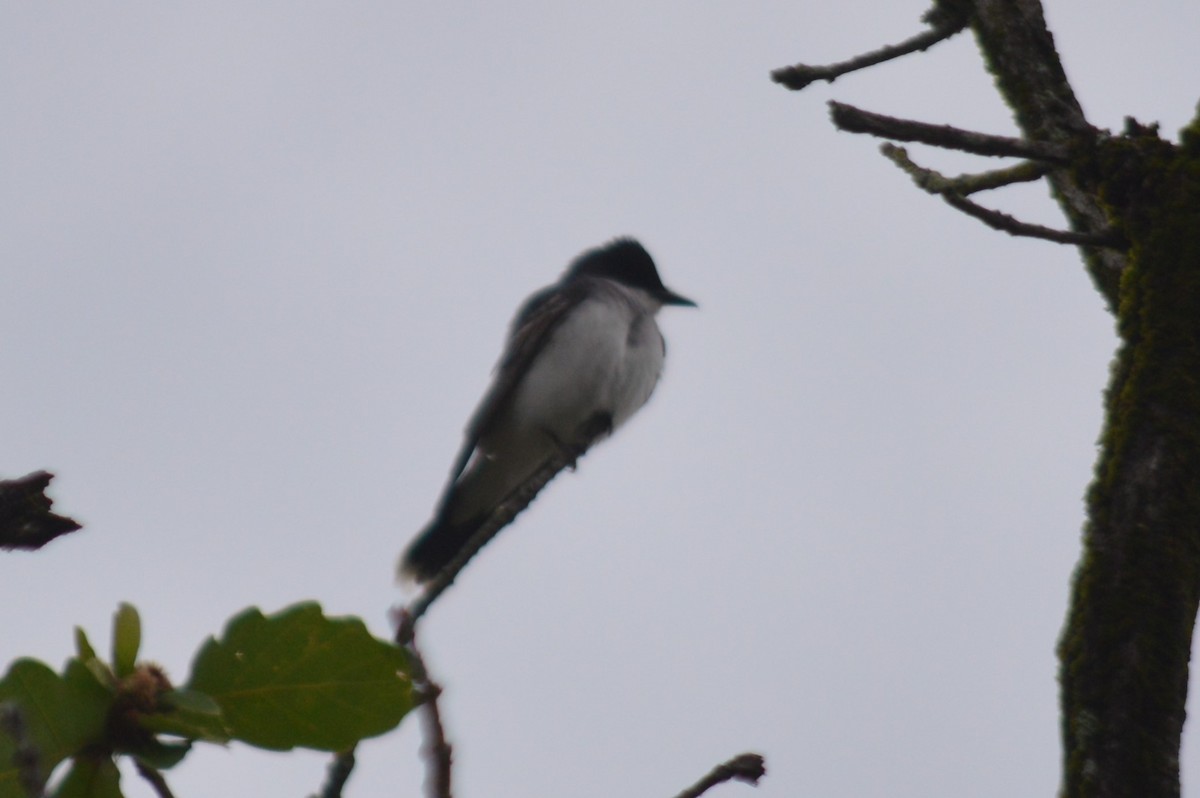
(293, 679)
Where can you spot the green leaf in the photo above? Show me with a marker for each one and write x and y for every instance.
(193, 701)
(83, 648)
(192, 715)
(87, 655)
(61, 714)
(127, 638)
(90, 777)
(298, 678)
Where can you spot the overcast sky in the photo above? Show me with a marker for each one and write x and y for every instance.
(259, 260)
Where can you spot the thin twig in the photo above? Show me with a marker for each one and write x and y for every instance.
(998, 220)
(26, 756)
(1024, 172)
(439, 753)
(337, 775)
(856, 120)
(952, 191)
(744, 767)
(155, 778)
(799, 76)
(965, 184)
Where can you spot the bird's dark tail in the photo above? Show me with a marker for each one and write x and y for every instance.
(435, 547)
(441, 541)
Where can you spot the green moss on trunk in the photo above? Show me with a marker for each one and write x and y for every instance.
(1125, 649)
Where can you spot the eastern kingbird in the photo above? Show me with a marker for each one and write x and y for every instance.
(582, 356)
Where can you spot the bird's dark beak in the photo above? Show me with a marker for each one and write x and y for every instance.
(669, 297)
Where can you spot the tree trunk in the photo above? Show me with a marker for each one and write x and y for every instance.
(1134, 202)
(1124, 652)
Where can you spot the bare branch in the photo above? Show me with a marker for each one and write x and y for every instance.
(941, 27)
(439, 753)
(26, 521)
(744, 767)
(856, 120)
(1013, 226)
(965, 184)
(155, 778)
(338, 774)
(1020, 54)
(953, 191)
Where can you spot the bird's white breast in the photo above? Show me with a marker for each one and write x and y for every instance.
(605, 357)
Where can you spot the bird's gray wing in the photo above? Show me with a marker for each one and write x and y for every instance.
(536, 321)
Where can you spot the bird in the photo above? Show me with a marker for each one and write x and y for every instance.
(581, 357)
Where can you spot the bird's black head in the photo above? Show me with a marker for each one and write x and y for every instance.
(625, 261)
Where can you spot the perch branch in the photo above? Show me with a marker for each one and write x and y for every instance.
(941, 27)
(517, 501)
(440, 753)
(743, 767)
(856, 120)
(954, 191)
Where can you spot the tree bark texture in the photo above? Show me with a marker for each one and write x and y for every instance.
(1128, 638)
(1020, 54)
(1124, 652)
